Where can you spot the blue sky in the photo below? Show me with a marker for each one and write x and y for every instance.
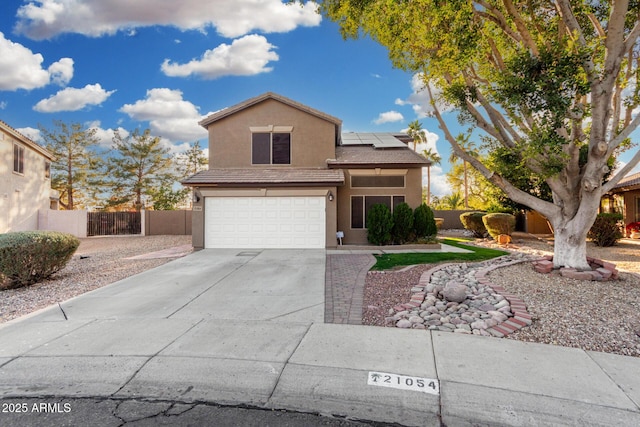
(165, 64)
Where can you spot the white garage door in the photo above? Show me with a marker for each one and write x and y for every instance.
(264, 222)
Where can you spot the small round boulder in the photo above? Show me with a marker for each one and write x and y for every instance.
(455, 292)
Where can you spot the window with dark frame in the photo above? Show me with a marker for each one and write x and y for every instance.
(271, 148)
(360, 206)
(377, 181)
(47, 170)
(18, 159)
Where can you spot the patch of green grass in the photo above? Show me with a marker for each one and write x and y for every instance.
(387, 261)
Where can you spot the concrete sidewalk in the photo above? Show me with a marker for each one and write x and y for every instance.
(167, 348)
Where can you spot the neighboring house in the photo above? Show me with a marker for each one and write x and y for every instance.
(25, 181)
(281, 175)
(627, 193)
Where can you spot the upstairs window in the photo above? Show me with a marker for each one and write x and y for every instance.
(47, 170)
(18, 159)
(271, 148)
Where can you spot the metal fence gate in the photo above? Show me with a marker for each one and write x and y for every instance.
(113, 223)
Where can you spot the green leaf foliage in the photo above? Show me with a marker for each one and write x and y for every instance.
(402, 223)
(29, 257)
(424, 223)
(472, 221)
(607, 229)
(499, 223)
(379, 225)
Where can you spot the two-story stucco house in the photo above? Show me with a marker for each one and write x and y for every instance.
(25, 180)
(282, 175)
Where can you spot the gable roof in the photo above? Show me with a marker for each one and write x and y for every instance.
(261, 98)
(368, 156)
(627, 183)
(26, 141)
(260, 176)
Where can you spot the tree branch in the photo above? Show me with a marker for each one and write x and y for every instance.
(522, 28)
(575, 31)
(608, 186)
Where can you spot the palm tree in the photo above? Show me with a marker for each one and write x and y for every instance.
(452, 201)
(416, 132)
(470, 148)
(435, 159)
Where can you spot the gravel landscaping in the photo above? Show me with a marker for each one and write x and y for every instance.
(598, 316)
(98, 261)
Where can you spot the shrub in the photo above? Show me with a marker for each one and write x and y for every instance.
(472, 221)
(30, 256)
(606, 229)
(424, 224)
(499, 223)
(402, 223)
(379, 224)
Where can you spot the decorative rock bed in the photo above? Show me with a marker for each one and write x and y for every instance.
(474, 305)
(600, 270)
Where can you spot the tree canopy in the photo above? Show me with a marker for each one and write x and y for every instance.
(551, 83)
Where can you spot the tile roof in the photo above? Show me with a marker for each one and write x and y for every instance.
(628, 181)
(20, 137)
(365, 155)
(259, 176)
(260, 98)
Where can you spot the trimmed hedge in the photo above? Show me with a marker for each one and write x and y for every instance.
(379, 224)
(28, 257)
(606, 229)
(402, 223)
(424, 223)
(472, 221)
(499, 223)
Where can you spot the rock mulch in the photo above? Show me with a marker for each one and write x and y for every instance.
(460, 298)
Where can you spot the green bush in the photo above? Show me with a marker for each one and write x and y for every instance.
(379, 225)
(402, 223)
(606, 229)
(30, 256)
(472, 221)
(424, 224)
(499, 223)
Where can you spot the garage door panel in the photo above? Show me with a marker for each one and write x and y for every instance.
(265, 222)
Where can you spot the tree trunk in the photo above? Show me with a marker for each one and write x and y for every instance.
(466, 187)
(570, 233)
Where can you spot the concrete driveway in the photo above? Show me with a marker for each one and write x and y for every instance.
(279, 285)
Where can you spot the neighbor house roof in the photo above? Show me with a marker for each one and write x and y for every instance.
(368, 156)
(261, 98)
(26, 141)
(252, 177)
(629, 182)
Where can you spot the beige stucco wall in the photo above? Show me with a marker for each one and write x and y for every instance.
(198, 214)
(312, 139)
(21, 195)
(412, 194)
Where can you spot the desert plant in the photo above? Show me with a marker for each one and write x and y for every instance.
(499, 223)
(28, 257)
(379, 224)
(472, 221)
(606, 229)
(402, 223)
(424, 224)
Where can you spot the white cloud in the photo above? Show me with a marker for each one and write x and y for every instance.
(22, 69)
(61, 72)
(72, 99)
(3, 105)
(439, 185)
(42, 19)
(105, 136)
(246, 56)
(168, 115)
(31, 133)
(389, 117)
(419, 99)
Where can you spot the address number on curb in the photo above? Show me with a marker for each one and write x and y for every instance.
(403, 382)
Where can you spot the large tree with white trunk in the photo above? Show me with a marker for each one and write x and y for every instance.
(551, 83)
